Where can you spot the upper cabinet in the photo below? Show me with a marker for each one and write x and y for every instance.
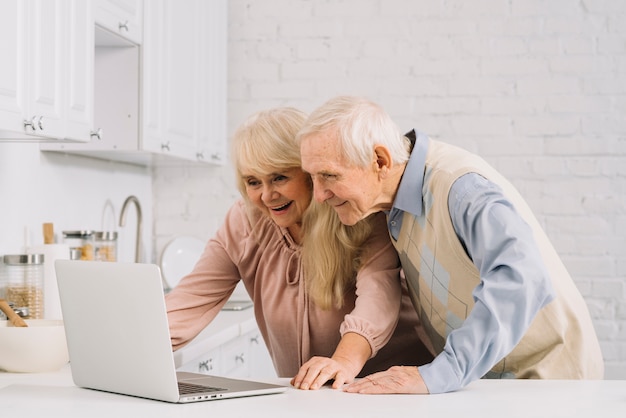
(46, 84)
(184, 79)
(163, 100)
(123, 17)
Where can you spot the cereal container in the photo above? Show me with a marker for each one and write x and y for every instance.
(80, 243)
(105, 246)
(22, 283)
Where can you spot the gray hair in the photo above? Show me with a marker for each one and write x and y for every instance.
(358, 125)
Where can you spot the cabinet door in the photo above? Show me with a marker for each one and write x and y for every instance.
(171, 77)
(184, 96)
(13, 68)
(124, 17)
(45, 87)
(235, 358)
(45, 68)
(79, 103)
(208, 363)
(213, 57)
(261, 365)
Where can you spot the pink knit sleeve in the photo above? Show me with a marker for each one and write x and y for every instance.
(378, 291)
(200, 295)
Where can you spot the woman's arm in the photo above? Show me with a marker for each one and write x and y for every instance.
(200, 295)
(369, 326)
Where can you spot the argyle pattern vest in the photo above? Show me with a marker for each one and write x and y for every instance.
(561, 341)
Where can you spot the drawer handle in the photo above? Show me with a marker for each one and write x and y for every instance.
(123, 25)
(240, 358)
(97, 134)
(206, 365)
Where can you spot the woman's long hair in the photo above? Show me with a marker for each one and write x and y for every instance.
(331, 254)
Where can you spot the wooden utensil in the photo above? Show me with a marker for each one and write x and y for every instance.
(14, 318)
(48, 233)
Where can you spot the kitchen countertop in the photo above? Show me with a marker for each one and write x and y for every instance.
(54, 395)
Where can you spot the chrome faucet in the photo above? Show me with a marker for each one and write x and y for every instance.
(128, 200)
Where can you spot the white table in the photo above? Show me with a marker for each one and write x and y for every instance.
(54, 395)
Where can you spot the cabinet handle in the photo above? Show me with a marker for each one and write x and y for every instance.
(34, 123)
(200, 155)
(30, 123)
(254, 339)
(240, 358)
(216, 157)
(165, 146)
(97, 134)
(123, 25)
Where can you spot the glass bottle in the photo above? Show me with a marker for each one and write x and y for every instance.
(105, 246)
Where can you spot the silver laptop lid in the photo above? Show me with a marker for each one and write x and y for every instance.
(116, 327)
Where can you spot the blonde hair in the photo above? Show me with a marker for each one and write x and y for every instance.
(331, 251)
(331, 254)
(266, 142)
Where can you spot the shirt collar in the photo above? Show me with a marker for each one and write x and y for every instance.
(409, 197)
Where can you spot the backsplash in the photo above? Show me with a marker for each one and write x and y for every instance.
(71, 192)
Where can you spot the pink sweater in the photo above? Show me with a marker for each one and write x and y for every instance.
(252, 248)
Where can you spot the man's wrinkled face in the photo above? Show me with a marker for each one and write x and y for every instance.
(350, 190)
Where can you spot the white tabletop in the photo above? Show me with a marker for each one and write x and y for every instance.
(54, 395)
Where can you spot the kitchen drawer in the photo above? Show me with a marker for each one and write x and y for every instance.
(208, 363)
(235, 357)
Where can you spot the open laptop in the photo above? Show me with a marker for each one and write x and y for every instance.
(118, 336)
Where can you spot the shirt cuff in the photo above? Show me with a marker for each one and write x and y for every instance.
(439, 375)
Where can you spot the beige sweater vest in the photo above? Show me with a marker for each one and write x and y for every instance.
(561, 342)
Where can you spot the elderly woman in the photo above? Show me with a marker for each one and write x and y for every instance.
(328, 298)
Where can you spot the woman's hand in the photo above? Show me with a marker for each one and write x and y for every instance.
(397, 379)
(318, 370)
(350, 355)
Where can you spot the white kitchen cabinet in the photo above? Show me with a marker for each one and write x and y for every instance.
(184, 79)
(123, 17)
(46, 80)
(259, 360)
(230, 346)
(207, 363)
(164, 101)
(117, 74)
(13, 68)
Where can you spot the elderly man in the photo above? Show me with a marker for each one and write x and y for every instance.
(493, 296)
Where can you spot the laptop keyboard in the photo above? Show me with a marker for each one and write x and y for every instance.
(187, 388)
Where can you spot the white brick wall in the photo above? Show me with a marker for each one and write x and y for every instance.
(538, 88)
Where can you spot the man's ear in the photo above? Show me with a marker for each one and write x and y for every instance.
(384, 161)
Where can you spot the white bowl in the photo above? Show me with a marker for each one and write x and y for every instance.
(40, 347)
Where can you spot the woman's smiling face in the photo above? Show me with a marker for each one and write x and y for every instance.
(283, 195)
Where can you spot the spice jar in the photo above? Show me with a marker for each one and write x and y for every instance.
(22, 281)
(80, 241)
(105, 246)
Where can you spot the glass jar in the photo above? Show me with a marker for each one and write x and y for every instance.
(105, 246)
(80, 242)
(22, 283)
